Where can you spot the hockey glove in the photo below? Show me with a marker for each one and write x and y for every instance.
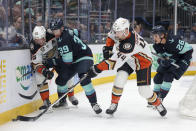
(172, 68)
(184, 64)
(178, 72)
(93, 71)
(107, 52)
(165, 63)
(50, 62)
(47, 73)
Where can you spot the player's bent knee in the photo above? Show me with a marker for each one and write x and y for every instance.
(145, 91)
(121, 79)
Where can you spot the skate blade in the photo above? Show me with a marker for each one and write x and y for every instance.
(151, 107)
(98, 115)
(73, 107)
(63, 107)
(164, 117)
(50, 110)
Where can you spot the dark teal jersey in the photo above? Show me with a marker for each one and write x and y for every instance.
(175, 48)
(71, 48)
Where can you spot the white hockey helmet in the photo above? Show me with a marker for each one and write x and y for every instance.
(39, 32)
(120, 24)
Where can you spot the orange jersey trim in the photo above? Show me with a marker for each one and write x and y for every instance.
(109, 42)
(103, 66)
(142, 61)
(106, 65)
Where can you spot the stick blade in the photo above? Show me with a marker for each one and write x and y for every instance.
(26, 118)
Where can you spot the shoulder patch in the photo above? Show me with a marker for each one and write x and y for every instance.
(127, 46)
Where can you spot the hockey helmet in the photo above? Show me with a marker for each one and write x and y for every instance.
(159, 29)
(120, 24)
(39, 32)
(56, 24)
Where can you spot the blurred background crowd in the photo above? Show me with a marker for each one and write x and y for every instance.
(93, 18)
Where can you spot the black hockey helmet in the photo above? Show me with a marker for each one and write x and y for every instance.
(56, 24)
(159, 29)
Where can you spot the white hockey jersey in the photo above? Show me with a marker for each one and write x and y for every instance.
(134, 50)
(45, 52)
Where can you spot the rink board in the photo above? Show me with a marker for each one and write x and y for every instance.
(19, 96)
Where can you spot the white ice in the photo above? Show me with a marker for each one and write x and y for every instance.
(132, 113)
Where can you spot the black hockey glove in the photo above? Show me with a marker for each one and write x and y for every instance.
(107, 52)
(93, 71)
(47, 73)
(165, 63)
(50, 62)
(183, 65)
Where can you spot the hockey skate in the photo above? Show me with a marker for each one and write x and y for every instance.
(73, 100)
(61, 103)
(45, 105)
(149, 105)
(96, 108)
(112, 109)
(161, 109)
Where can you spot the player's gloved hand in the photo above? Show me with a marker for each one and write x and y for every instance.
(47, 73)
(93, 71)
(165, 63)
(172, 68)
(107, 52)
(50, 62)
(183, 65)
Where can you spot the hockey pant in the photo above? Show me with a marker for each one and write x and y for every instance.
(143, 83)
(44, 89)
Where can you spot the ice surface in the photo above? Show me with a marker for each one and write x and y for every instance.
(132, 113)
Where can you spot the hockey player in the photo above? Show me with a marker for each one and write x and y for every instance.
(132, 53)
(43, 47)
(174, 50)
(76, 57)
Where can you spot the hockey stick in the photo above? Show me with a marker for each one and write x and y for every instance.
(27, 118)
(162, 58)
(19, 75)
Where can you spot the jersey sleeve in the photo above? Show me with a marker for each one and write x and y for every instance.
(49, 36)
(109, 42)
(158, 48)
(110, 39)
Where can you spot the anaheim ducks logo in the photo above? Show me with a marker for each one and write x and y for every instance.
(127, 46)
